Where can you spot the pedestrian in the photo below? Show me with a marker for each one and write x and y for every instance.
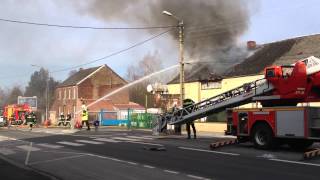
(188, 124)
(85, 119)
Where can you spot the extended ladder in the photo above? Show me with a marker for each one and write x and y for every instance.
(232, 98)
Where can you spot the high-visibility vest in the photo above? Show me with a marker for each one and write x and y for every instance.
(85, 116)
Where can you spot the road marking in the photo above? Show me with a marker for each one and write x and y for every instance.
(147, 166)
(5, 138)
(295, 162)
(203, 150)
(172, 172)
(140, 137)
(89, 142)
(50, 145)
(28, 148)
(151, 144)
(132, 163)
(57, 159)
(195, 177)
(125, 139)
(6, 151)
(70, 143)
(106, 140)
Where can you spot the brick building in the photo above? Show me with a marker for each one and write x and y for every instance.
(88, 85)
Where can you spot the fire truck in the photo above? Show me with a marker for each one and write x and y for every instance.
(14, 114)
(281, 117)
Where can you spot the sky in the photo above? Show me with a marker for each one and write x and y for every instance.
(57, 48)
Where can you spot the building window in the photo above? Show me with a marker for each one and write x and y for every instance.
(65, 94)
(74, 110)
(211, 85)
(69, 93)
(59, 92)
(59, 110)
(74, 92)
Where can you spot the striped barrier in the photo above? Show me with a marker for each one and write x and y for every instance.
(311, 154)
(223, 143)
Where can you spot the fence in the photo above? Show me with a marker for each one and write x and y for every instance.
(128, 118)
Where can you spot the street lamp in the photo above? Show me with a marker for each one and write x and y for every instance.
(181, 49)
(47, 90)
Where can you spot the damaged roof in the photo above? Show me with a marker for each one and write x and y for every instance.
(284, 52)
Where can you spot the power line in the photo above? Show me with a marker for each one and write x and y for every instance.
(114, 53)
(102, 58)
(84, 27)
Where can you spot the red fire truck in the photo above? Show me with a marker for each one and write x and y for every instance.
(279, 120)
(15, 113)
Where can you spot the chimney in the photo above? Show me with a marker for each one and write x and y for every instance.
(251, 45)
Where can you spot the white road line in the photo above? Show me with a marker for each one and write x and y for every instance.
(203, 150)
(57, 159)
(147, 166)
(5, 138)
(140, 137)
(49, 145)
(151, 144)
(89, 142)
(106, 140)
(70, 143)
(132, 163)
(125, 139)
(28, 148)
(6, 151)
(172, 172)
(295, 162)
(195, 177)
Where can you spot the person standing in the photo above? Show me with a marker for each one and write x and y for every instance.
(188, 124)
(187, 105)
(85, 118)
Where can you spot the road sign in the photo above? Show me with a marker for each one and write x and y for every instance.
(31, 101)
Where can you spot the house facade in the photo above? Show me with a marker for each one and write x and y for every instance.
(87, 86)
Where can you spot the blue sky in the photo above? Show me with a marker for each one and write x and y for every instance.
(52, 48)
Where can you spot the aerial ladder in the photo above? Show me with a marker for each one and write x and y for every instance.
(282, 86)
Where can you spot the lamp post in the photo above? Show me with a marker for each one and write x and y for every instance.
(181, 52)
(47, 91)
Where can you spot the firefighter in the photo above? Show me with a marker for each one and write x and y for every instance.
(85, 118)
(68, 120)
(188, 103)
(33, 120)
(61, 119)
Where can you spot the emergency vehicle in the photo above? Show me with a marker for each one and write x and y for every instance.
(15, 113)
(279, 120)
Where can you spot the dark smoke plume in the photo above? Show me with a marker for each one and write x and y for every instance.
(212, 27)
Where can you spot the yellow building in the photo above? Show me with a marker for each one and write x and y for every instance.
(203, 84)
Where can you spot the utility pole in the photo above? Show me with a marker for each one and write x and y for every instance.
(181, 53)
(181, 48)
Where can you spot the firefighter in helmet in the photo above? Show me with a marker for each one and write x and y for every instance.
(187, 103)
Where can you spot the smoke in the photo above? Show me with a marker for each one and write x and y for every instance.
(212, 27)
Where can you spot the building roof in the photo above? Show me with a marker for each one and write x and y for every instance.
(83, 74)
(284, 52)
(131, 105)
(78, 76)
(202, 72)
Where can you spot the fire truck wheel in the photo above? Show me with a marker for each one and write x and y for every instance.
(262, 136)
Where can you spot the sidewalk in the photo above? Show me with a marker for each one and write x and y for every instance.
(12, 172)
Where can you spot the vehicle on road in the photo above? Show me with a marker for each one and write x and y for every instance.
(279, 120)
(15, 114)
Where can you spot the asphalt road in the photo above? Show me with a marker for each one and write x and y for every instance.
(112, 154)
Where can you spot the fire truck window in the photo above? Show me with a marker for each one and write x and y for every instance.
(270, 73)
(243, 123)
(287, 71)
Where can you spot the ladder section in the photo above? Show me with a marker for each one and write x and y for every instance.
(235, 97)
